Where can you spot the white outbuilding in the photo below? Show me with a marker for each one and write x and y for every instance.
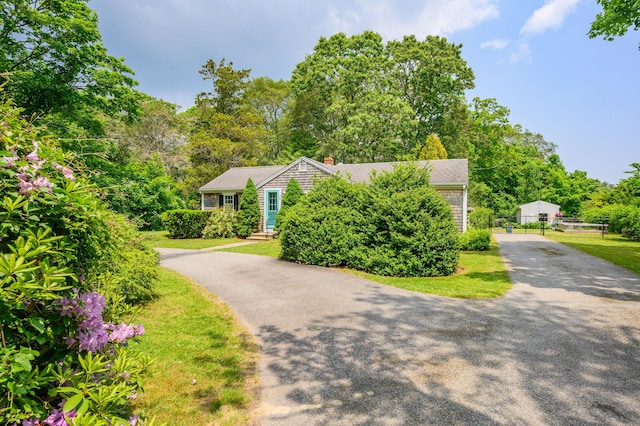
(530, 212)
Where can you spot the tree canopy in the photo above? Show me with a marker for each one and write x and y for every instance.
(616, 18)
(53, 59)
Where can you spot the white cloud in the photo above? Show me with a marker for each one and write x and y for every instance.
(522, 53)
(499, 43)
(551, 15)
(395, 19)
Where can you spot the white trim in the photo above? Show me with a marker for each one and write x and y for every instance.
(284, 169)
(264, 206)
(465, 206)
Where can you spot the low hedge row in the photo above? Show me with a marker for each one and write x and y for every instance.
(185, 223)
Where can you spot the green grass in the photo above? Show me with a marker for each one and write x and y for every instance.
(613, 248)
(205, 363)
(264, 248)
(480, 274)
(160, 239)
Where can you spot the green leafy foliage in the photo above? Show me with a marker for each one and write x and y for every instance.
(61, 353)
(397, 226)
(623, 219)
(185, 223)
(142, 192)
(248, 215)
(324, 227)
(616, 18)
(480, 218)
(292, 195)
(221, 224)
(53, 54)
(475, 240)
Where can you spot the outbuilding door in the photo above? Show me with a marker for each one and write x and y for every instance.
(271, 208)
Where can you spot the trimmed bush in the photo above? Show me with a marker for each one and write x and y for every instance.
(475, 240)
(221, 224)
(324, 227)
(480, 218)
(185, 223)
(248, 215)
(397, 226)
(292, 195)
(411, 230)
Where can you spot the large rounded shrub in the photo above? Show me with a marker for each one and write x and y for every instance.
(325, 226)
(398, 226)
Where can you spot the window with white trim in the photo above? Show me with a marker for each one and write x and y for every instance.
(228, 200)
(302, 166)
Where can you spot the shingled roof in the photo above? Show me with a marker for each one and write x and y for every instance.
(235, 179)
(443, 173)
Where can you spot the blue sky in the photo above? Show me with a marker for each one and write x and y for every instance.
(533, 56)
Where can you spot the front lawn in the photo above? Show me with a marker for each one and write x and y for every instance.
(480, 274)
(613, 248)
(204, 361)
(161, 239)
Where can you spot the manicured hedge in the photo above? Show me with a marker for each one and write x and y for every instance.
(475, 240)
(396, 226)
(185, 223)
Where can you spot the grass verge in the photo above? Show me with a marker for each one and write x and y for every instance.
(613, 248)
(264, 248)
(161, 239)
(480, 274)
(205, 363)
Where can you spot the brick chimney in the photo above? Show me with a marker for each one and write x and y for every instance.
(328, 161)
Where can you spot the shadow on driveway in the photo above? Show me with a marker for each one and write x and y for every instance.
(340, 350)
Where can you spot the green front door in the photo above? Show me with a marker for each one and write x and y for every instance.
(272, 205)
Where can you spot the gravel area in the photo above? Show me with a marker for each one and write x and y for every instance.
(562, 347)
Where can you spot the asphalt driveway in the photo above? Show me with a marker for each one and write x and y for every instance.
(562, 347)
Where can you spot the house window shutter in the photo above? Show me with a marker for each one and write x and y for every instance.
(235, 202)
(220, 200)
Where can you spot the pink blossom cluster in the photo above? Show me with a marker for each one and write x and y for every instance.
(123, 332)
(56, 418)
(59, 418)
(92, 333)
(28, 179)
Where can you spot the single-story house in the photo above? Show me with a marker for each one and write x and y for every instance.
(449, 177)
(530, 212)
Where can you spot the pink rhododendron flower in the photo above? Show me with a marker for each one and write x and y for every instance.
(33, 155)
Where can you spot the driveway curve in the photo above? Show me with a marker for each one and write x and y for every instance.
(562, 347)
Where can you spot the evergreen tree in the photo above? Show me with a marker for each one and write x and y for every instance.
(291, 197)
(248, 216)
(433, 149)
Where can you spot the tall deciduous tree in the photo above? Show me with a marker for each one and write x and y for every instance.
(363, 117)
(52, 56)
(432, 78)
(270, 100)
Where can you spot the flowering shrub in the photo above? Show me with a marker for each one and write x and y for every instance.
(63, 359)
(221, 224)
